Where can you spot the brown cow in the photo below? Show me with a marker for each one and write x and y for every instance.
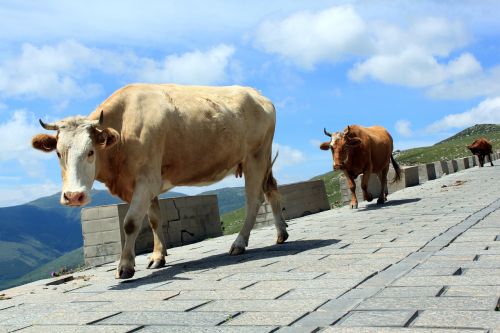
(481, 147)
(150, 138)
(363, 150)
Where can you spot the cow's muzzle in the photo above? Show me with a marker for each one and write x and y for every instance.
(74, 199)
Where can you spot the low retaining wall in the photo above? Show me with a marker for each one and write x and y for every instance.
(410, 176)
(298, 199)
(185, 220)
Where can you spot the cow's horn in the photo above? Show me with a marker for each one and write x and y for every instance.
(101, 118)
(327, 133)
(49, 127)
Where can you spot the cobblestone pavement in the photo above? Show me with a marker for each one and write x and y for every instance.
(427, 261)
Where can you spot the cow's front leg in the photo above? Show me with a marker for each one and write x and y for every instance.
(364, 186)
(255, 170)
(141, 200)
(352, 186)
(157, 258)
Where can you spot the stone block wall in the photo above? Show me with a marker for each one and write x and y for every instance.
(298, 199)
(185, 220)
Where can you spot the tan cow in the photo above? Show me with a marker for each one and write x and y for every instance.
(363, 150)
(149, 138)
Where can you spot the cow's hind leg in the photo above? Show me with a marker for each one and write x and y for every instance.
(382, 176)
(273, 197)
(141, 201)
(491, 161)
(254, 173)
(157, 258)
(364, 186)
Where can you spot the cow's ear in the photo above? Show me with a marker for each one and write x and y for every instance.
(325, 145)
(353, 142)
(44, 142)
(106, 138)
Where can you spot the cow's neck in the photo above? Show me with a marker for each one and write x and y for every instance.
(109, 171)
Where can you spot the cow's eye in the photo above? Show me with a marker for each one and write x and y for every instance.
(91, 153)
(58, 154)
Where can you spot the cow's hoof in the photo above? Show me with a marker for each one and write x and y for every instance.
(380, 201)
(369, 198)
(282, 237)
(124, 273)
(236, 250)
(354, 206)
(158, 263)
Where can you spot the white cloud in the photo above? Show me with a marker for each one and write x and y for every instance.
(485, 83)
(403, 127)
(192, 67)
(50, 72)
(18, 194)
(60, 72)
(15, 143)
(306, 38)
(487, 112)
(287, 156)
(416, 56)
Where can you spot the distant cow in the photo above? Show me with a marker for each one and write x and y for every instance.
(481, 147)
(363, 150)
(150, 138)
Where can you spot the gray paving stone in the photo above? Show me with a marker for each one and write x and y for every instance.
(405, 292)
(319, 318)
(377, 318)
(168, 318)
(452, 319)
(279, 305)
(336, 329)
(430, 303)
(79, 328)
(206, 329)
(258, 318)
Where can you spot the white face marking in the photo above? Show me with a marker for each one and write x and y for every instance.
(77, 160)
(335, 137)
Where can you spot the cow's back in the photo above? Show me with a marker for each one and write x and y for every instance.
(190, 133)
(377, 143)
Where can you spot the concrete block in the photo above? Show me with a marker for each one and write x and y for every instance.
(439, 169)
(184, 220)
(426, 172)
(444, 167)
(298, 199)
(460, 163)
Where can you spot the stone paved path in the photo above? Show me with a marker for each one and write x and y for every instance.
(428, 261)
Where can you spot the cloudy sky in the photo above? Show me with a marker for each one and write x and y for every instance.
(422, 69)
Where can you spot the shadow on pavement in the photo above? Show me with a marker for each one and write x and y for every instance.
(389, 203)
(170, 272)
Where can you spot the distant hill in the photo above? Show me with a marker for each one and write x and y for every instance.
(490, 131)
(229, 198)
(453, 147)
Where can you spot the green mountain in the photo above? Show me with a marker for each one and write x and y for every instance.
(453, 147)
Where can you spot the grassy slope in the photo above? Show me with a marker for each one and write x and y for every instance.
(70, 260)
(452, 147)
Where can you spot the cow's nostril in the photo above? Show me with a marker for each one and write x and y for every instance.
(81, 197)
(66, 196)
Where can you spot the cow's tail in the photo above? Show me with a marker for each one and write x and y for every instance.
(397, 170)
(270, 186)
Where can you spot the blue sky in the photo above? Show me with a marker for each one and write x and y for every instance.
(422, 69)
